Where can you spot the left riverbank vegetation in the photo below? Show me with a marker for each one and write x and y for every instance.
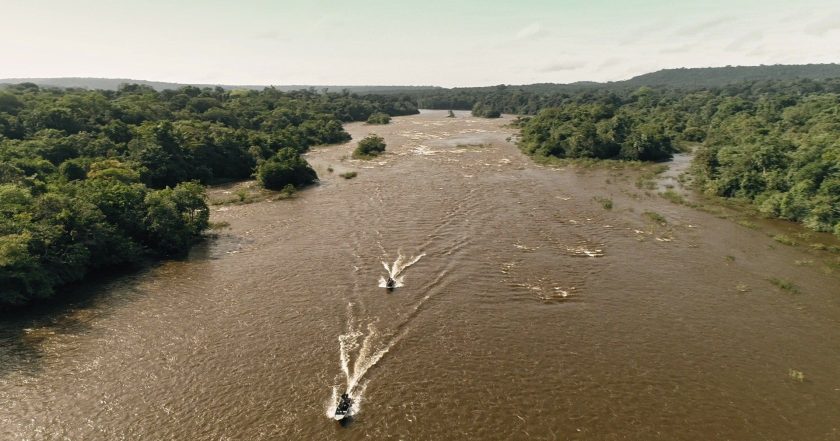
(97, 179)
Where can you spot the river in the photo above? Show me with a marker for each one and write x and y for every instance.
(527, 310)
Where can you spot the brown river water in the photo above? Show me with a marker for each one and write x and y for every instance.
(527, 311)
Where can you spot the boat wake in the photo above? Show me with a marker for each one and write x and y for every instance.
(357, 354)
(362, 345)
(396, 269)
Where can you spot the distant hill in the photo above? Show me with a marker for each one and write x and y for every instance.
(689, 78)
(684, 78)
(114, 84)
(721, 76)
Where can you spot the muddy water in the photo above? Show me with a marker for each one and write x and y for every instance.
(526, 310)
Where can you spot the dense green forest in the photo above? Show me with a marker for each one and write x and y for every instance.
(597, 131)
(773, 143)
(94, 179)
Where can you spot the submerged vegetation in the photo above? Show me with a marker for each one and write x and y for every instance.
(785, 285)
(606, 203)
(95, 179)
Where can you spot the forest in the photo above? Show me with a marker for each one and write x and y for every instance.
(96, 179)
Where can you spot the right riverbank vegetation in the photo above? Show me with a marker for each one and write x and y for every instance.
(97, 179)
(771, 143)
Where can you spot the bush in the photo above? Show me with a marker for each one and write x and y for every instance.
(379, 118)
(369, 147)
(284, 168)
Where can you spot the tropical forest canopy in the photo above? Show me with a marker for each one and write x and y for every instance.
(94, 179)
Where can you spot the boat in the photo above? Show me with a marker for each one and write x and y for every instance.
(342, 411)
(391, 283)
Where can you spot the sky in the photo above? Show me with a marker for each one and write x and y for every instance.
(419, 42)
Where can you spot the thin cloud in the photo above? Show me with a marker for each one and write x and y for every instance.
(702, 27)
(268, 35)
(687, 47)
(562, 66)
(824, 26)
(642, 32)
(610, 62)
(532, 31)
(759, 51)
(745, 40)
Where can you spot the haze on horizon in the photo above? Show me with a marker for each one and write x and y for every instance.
(366, 42)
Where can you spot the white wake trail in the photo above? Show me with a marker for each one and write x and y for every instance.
(358, 351)
(354, 370)
(396, 269)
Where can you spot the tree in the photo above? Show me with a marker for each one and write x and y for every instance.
(369, 147)
(284, 168)
(379, 118)
(175, 218)
(72, 170)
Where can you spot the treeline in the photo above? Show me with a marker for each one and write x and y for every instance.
(596, 131)
(773, 143)
(781, 152)
(91, 179)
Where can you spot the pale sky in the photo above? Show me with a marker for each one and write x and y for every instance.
(418, 42)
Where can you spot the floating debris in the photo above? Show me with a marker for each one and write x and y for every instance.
(582, 251)
(526, 248)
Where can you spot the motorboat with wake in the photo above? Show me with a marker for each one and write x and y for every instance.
(342, 411)
(391, 283)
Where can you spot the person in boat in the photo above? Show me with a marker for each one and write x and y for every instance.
(344, 404)
(390, 283)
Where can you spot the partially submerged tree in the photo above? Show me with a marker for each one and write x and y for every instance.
(369, 147)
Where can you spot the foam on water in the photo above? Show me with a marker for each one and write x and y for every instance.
(396, 269)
